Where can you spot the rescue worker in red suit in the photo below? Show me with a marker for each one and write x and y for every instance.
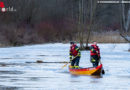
(95, 54)
(75, 53)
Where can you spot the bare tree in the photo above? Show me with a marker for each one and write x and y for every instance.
(92, 9)
(125, 22)
(80, 23)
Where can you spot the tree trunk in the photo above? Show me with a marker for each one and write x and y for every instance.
(80, 24)
(124, 22)
(92, 12)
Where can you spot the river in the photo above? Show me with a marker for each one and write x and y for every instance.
(19, 70)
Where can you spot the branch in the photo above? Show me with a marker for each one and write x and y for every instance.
(127, 39)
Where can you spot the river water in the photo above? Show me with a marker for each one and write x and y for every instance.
(18, 70)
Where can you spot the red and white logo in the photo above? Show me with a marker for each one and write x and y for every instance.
(4, 9)
(2, 6)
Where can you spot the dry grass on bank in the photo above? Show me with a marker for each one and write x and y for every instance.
(107, 37)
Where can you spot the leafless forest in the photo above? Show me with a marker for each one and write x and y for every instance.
(43, 21)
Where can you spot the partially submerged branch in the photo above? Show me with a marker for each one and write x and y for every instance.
(126, 38)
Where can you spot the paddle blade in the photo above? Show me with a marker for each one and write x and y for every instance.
(103, 72)
(65, 65)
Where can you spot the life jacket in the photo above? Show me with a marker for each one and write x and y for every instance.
(95, 47)
(73, 50)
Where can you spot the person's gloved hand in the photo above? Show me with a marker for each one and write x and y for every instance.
(99, 57)
(78, 54)
(70, 59)
(97, 52)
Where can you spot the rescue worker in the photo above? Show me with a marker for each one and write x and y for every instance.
(75, 53)
(95, 54)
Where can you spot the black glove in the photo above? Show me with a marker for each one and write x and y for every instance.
(99, 57)
(70, 59)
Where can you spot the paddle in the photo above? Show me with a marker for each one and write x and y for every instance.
(103, 71)
(65, 65)
(68, 62)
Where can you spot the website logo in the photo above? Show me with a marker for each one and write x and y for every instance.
(6, 9)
